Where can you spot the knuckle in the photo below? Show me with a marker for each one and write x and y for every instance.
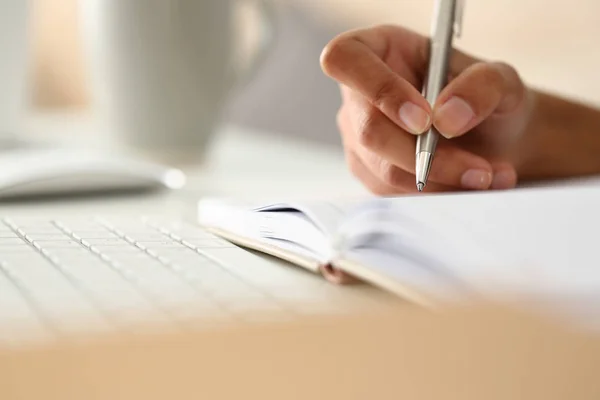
(369, 132)
(506, 85)
(507, 70)
(490, 77)
(513, 82)
(334, 54)
(385, 92)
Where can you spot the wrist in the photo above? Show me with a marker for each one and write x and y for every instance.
(561, 139)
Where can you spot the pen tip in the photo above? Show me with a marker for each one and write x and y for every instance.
(420, 186)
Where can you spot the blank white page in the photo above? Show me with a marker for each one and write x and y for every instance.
(541, 242)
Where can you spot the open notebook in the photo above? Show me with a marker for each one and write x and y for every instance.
(539, 243)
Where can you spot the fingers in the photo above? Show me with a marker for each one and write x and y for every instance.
(355, 163)
(481, 90)
(505, 176)
(392, 152)
(368, 178)
(384, 178)
(379, 70)
(356, 60)
(376, 174)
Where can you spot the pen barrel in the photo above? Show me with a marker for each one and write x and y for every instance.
(440, 47)
(427, 142)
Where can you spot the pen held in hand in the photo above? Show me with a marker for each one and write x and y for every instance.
(446, 23)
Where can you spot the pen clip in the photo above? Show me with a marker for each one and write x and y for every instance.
(459, 13)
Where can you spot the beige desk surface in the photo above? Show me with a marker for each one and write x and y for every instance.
(405, 355)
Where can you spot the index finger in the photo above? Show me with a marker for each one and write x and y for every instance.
(356, 60)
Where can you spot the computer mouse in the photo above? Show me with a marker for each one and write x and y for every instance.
(31, 172)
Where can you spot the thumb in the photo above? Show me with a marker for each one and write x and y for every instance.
(481, 90)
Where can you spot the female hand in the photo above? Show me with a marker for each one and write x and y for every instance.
(482, 113)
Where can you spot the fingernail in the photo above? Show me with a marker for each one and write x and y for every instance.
(414, 117)
(476, 179)
(453, 117)
(506, 179)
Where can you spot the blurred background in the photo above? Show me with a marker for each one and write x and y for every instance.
(552, 43)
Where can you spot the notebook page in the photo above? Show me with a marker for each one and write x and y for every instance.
(538, 243)
(326, 215)
(389, 249)
(277, 225)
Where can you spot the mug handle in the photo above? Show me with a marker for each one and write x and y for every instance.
(267, 39)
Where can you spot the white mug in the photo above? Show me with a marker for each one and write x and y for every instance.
(14, 58)
(161, 70)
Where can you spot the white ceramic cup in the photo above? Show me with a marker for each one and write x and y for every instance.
(161, 70)
(14, 72)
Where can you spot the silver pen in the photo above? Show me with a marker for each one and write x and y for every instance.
(447, 22)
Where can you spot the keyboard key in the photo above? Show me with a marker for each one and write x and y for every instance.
(38, 229)
(32, 225)
(11, 241)
(193, 233)
(151, 275)
(130, 257)
(54, 244)
(207, 243)
(93, 235)
(23, 248)
(146, 237)
(184, 296)
(46, 237)
(159, 245)
(93, 276)
(7, 234)
(203, 271)
(26, 258)
(51, 253)
(69, 251)
(114, 241)
(76, 258)
(133, 230)
(172, 252)
(110, 250)
(82, 227)
(224, 287)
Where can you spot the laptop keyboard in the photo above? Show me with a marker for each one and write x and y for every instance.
(60, 278)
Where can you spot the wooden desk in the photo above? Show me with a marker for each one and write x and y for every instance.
(407, 354)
